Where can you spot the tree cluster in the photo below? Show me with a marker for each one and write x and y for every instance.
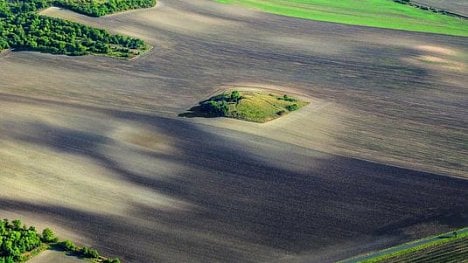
(219, 105)
(16, 239)
(100, 8)
(21, 28)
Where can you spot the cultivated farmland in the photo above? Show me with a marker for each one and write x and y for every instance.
(455, 6)
(93, 146)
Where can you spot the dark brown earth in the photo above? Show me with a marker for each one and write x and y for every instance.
(93, 147)
(455, 6)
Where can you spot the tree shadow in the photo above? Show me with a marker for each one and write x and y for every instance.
(196, 112)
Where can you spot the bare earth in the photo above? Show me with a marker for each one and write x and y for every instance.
(92, 146)
(455, 6)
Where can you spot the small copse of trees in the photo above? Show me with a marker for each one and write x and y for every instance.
(21, 28)
(218, 106)
(101, 8)
(16, 240)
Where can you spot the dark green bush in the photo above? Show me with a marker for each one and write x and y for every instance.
(88, 252)
(67, 245)
(48, 236)
(292, 107)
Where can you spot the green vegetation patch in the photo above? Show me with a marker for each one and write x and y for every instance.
(255, 106)
(374, 13)
(449, 247)
(21, 28)
(18, 243)
(103, 7)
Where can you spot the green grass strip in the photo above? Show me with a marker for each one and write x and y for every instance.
(373, 13)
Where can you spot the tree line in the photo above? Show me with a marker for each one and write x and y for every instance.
(100, 8)
(21, 28)
(218, 106)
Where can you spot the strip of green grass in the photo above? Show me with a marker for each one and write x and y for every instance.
(374, 13)
(404, 252)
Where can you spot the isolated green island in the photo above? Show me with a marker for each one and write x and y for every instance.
(397, 14)
(254, 106)
(22, 28)
(19, 243)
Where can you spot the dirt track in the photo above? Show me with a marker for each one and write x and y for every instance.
(93, 146)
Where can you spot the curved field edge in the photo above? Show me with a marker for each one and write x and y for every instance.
(418, 249)
(373, 13)
(22, 27)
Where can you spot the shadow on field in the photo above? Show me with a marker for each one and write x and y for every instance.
(245, 207)
(196, 112)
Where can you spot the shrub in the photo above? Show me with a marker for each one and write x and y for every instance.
(287, 98)
(89, 252)
(235, 96)
(292, 107)
(48, 236)
(215, 108)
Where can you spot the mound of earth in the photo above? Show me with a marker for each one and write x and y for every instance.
(255, 106)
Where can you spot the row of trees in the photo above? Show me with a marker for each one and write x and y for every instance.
(85, 252)
(100, 8)
(23, 29)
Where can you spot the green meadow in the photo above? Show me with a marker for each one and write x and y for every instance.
(374, 13)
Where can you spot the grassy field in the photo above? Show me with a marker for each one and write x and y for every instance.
(374, 13)
(264, 106)
(442, 248)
